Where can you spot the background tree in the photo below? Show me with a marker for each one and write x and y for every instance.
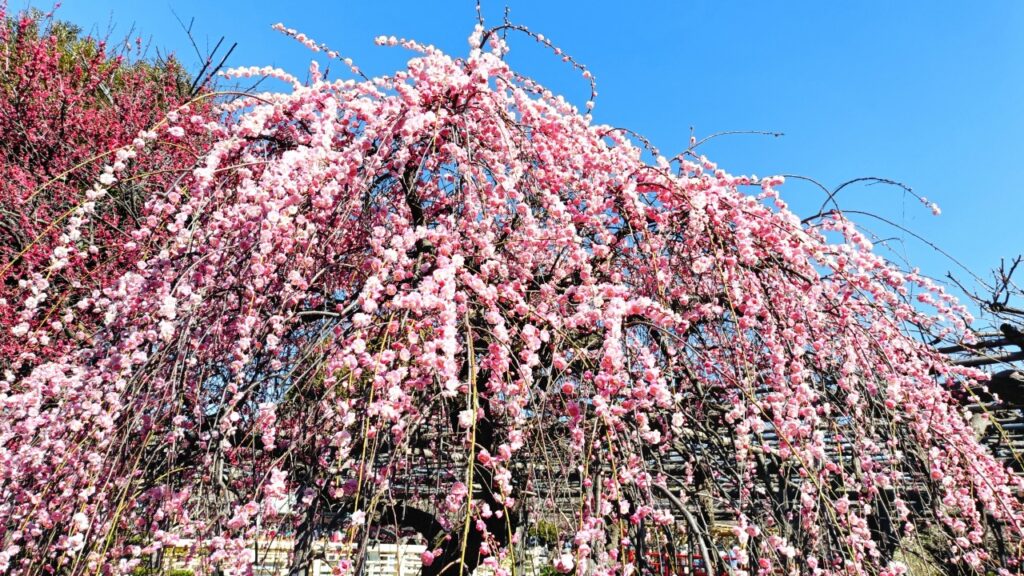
(997, 346)
(69, 105)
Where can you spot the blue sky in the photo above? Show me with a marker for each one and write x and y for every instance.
(929, 93)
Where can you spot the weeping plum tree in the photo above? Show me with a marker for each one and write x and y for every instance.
(446, 302)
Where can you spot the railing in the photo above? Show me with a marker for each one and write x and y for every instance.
(381, 560)
(274, 559)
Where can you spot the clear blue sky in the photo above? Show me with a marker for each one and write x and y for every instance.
(929, 93)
